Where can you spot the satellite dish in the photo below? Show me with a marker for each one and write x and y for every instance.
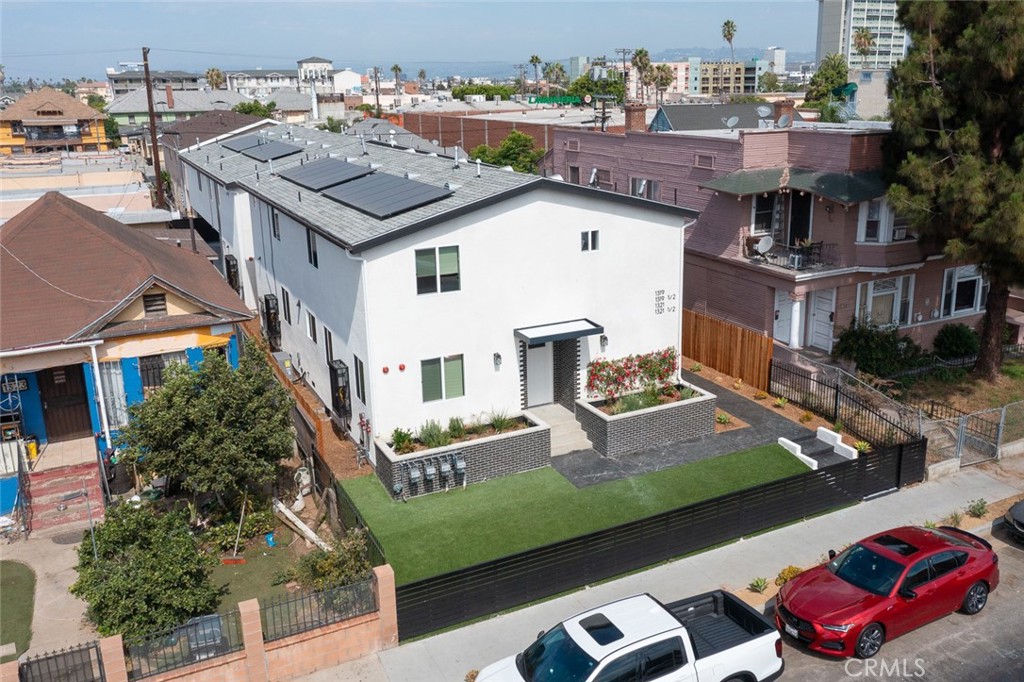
(764, 245)
(433, 142)
(731, 121)
(764, 111)
(785, 120)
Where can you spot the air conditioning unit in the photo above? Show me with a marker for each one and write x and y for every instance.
(899, 234)
(231, 273)
(272, 322)
(796, 260)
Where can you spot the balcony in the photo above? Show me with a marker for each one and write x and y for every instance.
(814, 256)
(41, 137)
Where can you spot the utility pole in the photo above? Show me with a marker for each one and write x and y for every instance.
(376, 87)
(625, 52)
(521, 68)
(152, 130)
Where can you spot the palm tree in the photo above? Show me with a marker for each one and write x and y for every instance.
(728, 33)
(663, 78)
(397, 70)
(3, 77)
(864, 43)
(641, 62)
(554, 73)
(422, 77)
(215, 78)
(535, 61)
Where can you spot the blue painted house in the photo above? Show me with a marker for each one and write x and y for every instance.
(91, 312)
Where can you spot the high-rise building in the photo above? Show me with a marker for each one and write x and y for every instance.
(776, 59)
(839, 20)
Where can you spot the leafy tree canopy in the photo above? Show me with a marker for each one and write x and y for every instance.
(255, 108)
(516, 150)
(97, 102)
(151, 574)
(769, 82)
(333, 125)
(956, 151)
(488, 91)
(585, 85)
(223, 430)
(831, 73)
(113, 131)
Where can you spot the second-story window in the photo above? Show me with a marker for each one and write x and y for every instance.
(437, 270)
(311, 326)
(311, 253)
(763, 220)
(275, 225)
(286, 305)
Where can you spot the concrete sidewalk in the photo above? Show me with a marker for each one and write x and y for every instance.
(449, 656)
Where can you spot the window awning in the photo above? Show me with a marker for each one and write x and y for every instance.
(843, 188)
(558, 331)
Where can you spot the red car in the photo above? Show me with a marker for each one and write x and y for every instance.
(884, 586)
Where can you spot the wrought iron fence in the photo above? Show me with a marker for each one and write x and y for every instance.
(293, 614)
(976, 437)
(350, 518)
(199, 639)
(82, 663)
(1010, 351)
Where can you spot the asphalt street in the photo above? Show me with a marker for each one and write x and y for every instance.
(957, 648)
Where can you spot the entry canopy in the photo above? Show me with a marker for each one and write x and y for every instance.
(558, 331)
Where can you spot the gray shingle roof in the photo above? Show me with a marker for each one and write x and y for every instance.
(290, 99)
(713, 116)
(184, 100)
(473, 186)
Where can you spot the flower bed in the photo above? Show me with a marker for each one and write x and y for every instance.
(639, 429)
(485, 457)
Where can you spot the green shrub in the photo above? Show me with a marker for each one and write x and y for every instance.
(930, 524)
(474, 428)
(977, 508)
(881, 351)
(686, 393)
(760, 395)
(220, 538)
(346, 563)
(956, 340)
(433, 436)
(838, 427)
(628, 403)
(401, 441)
(696, 367)
(723, 418)
(806, 417)
(758, 585)
(258, 523)
(862, 446)
(501, 421)
(780, 402)
(955, 518)
(456, 428)
(787, 574)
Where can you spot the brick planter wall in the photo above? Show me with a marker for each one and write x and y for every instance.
(633, 431)
(486, 458)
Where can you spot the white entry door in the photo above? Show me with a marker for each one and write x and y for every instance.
(822, 318)
(540, 379)
(783, 316)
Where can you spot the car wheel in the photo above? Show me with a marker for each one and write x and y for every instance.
(870, 641)
(975, 599)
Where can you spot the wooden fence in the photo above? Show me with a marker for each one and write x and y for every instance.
(728, 348)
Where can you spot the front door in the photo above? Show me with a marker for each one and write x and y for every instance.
(65, 404)
(800, 218)
(822, 316)
(783, 316)
(540, 383)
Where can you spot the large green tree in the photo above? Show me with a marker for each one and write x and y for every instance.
(641, 62)
(956, 151)
(585, 85)
(769, 82)
(223, 430)
(150, 574)
(255, 108)
(516, 150)
(831, 73)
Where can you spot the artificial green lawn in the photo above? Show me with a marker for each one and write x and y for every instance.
(17, 595)
(442, 532)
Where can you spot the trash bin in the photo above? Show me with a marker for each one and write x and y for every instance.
(32, 448)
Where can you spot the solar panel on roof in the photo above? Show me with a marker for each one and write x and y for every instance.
(382, 196)
(237, 144)
(270, 150)
(316, 175)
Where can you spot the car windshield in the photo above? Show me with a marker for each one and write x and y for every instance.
(555, 657)
(866, 569)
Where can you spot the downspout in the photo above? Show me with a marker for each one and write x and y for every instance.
(682, 293)
(366, 323)
(103, 419)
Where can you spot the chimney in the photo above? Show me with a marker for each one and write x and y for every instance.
(784, 108)
(170, 97)
(636, 118)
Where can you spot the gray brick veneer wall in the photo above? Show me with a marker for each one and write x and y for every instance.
(633, 431)
(486, 458)
(566, 372)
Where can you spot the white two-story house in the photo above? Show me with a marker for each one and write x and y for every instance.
(407, 286)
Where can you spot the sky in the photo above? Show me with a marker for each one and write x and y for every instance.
(52, 40)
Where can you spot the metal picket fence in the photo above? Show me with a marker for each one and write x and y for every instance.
(200, 638)
(972, 438)
(81, 663)
(292, 614)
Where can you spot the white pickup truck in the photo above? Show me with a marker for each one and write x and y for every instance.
(708, 638)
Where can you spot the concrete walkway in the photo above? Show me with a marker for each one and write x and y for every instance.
(588, 467)
(449, 656)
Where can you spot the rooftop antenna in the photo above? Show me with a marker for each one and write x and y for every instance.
(731, 122)
(456, 156)
(593, 177)
(478, 168)
(362, 141)
(391, 137)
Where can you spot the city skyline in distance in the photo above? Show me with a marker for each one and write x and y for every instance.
(475, 39)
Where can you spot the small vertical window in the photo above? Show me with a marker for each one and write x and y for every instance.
(328, 344)
(588, 240)
(311, 326)
(286, 305)
(311, 254)
(360, 379)
(275, 225)
(873, 221)
(574, 175)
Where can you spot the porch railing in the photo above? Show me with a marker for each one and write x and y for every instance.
(814, 255)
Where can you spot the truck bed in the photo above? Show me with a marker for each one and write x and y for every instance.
(718, 621)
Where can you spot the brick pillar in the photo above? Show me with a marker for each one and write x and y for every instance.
(114, 667)
(252, 636)
(636, 118)
(384, 585)
(784, 108)
(9, 671)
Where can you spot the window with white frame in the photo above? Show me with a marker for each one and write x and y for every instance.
(642, 187)
(311, 326)
(878, 223)
(765, 216)
(886, 302)
(311, 253)
(589, 240)
(442, 378)
(964, 291)
(437, 270)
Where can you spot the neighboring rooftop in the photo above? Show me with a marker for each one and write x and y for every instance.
(690, 117)
(50, 106)
(206, 126)
(183, 100)
(290, 99)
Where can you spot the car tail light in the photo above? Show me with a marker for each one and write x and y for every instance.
(778, 647)
(995, 558)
